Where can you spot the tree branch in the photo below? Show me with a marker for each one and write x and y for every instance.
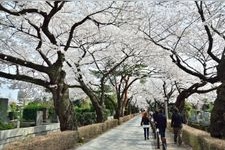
(21, 62)
(210, 38)
(177, 61)
(25, 78)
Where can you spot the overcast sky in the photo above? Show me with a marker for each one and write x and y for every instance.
(8, 93)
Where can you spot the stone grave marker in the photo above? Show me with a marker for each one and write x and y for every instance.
(4, 109)
(39, 118)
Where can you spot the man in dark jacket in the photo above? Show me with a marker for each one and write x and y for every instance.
(161, 123)
(155, 114)
(176, 123)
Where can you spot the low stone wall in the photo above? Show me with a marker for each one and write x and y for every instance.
(64, 140)
(126, 118)
(8, 136)
(53, 141)
(200, 140)
(89, 131)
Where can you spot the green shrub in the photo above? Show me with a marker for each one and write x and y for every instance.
(81, 110)
(106, 113)
(29, 112)
(85, 115)
(52, 114)
(6, 126)
(85, 118)
(13, 115)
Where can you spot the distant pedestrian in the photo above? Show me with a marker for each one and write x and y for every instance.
(145, 122)
(176, 124)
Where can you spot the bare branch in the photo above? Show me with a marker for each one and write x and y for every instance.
(23, 63)
(25, 78)
(210, 38)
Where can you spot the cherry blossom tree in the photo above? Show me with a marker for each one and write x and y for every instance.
(102, 68)
(103, 58)
(36, 37)
(123, 78)
(195, 39)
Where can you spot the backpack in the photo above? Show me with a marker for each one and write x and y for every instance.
(184, 119)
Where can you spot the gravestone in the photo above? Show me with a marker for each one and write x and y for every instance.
(39, 118)
(206, 115)
(4, 109)
(45, 115)
(54, 118)
(199, 116)
(206, 118)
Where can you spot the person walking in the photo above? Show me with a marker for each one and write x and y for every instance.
(155, 114)
(161, 124)
(145, 122)
(176, 124)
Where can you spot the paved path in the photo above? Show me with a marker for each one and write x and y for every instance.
(172, 146)
(128, 136)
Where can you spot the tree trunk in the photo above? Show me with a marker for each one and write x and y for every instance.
(217, 123)
(118, 108)
(180, 101)
(100, 115)
(95, 102)
(118, 113)
(64, 108)
(125, 101)
(98, 109)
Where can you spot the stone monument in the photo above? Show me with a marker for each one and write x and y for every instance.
(4, 109)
